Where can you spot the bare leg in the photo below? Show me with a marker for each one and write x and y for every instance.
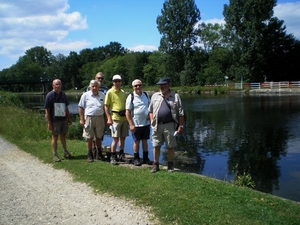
(136, 146)
(122, 143)
(145, 145)
(114, 144)
(63, 141)
(170, 154)
(98, 142)
(54, 143)
(156, 153)
(89, 143)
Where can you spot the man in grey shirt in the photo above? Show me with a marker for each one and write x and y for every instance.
(167, 118)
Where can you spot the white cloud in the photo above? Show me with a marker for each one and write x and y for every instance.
(31, 23)
(139, 48)
(290, 13)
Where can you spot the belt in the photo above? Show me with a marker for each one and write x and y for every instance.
(165, 122)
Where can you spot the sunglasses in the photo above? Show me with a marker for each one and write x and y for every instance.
(117, 80)
(101, 78)
(137, 85)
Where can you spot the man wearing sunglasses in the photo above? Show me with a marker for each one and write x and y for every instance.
(115, 99)
(137, 115)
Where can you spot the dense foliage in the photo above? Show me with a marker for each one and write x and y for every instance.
(252, 45)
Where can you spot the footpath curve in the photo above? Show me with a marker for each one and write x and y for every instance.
(32, 192)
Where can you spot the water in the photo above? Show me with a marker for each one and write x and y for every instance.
(256, 134)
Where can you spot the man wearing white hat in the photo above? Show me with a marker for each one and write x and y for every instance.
(115, 99)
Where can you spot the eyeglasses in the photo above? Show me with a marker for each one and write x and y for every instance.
(137, 85)
(117, 80)
(101, 78)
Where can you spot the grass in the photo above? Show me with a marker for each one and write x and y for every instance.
(174, 198)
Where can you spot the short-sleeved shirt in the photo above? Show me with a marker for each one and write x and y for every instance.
(139, 108)
(115, 100)
(174, 101)
(51, 98)
(93, 105)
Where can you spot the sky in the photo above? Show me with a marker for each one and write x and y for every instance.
(62, 26)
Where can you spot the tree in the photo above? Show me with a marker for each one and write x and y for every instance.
(212, 36)
(177, 26)
(255, 36)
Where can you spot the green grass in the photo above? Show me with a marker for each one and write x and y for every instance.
(174, 198)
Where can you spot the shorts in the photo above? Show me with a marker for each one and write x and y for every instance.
(141, 133)
(60, 127)
(164, 133)
(93, 127)
(121, 129)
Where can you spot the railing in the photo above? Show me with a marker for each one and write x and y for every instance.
(268, 85)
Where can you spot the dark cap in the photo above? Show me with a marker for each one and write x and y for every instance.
(163, 81)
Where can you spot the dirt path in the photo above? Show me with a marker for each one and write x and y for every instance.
(32, 192)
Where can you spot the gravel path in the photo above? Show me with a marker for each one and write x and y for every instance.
(32, 192)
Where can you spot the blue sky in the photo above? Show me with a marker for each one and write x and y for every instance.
(62, 26)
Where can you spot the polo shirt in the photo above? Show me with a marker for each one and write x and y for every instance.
(115, 101)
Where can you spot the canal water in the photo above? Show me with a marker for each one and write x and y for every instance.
(229, 134)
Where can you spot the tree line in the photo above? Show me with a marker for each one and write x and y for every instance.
(252, 46)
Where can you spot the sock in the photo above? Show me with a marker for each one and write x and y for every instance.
(145, 155)
(121, 152)
(136, 156)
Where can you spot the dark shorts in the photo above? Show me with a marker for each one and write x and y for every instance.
(141, 133)
(60, 127)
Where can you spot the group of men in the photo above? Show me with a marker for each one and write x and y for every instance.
(99, 107)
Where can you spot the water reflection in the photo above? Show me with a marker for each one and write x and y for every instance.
(227, 134)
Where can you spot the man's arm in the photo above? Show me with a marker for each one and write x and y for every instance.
(108, 115)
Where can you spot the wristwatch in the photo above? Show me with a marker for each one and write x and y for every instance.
(181, 126)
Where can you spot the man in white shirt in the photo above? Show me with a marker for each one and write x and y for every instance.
(91, 111)
(137, 115)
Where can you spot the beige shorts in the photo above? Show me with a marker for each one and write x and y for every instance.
(121, 128)
(93, 127)
(164, 134)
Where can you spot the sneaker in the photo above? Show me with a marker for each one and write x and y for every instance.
(155, 168)
(170, 167)
(147, 161)
(122, 158)
(67, 155)
(56, 158)
(137, 162)
(113, 160)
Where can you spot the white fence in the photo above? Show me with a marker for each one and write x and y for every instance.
(269, 85)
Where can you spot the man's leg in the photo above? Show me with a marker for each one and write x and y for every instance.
(113, 147)
(146, 159)
(156, 153)
(170, 159)
(54, 148)
(136, 149)
(89, 144)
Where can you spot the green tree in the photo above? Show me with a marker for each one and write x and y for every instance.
(177, 27)
(255, 36)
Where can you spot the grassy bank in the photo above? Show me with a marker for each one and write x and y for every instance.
(175, 198)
